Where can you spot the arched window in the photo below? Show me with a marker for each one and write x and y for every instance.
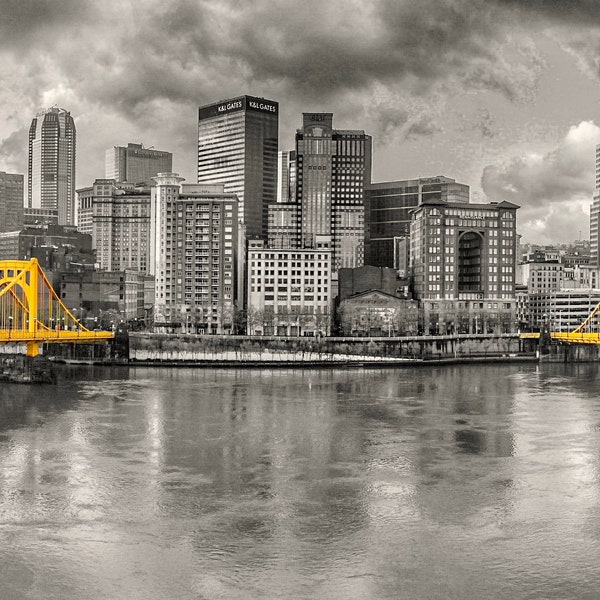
(470, 258)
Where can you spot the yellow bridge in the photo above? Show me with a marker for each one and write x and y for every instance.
(587, 333)
(32, 313)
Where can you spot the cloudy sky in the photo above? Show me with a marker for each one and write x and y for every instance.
(500, 94)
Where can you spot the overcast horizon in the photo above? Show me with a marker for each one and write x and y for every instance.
(501, 95)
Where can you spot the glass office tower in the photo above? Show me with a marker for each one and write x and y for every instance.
(51, 169)
(237, 147)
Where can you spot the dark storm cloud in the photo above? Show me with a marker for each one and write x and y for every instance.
(579, 11)
(383, 65)
(188, 50)
(23, 21)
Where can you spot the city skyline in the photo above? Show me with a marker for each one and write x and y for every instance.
(500, 95)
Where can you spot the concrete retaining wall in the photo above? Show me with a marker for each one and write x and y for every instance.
(186, 348)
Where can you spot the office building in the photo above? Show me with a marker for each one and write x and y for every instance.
(193, 255)
(18, 245)
(286, 175)
(11, 201)
(51, 169)
(40, 216)
(542, 276)
(136, 164)
(332, 169)
(289, 290)
(237, 147)
(90, 293)
(562, 310)
(388, 207)
(117, 216)
(462, 259)
(284, 225)
(595, 215)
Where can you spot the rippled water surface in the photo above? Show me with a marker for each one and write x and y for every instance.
(455, 482)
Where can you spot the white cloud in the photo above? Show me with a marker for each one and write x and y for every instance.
(554, 190)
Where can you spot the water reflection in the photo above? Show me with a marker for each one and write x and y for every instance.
(416, 483)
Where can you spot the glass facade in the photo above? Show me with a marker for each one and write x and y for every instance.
(11, 201)
(51, 169)
(237, 147)
(388, 206)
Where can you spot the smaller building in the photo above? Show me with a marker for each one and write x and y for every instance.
(542, 276)
(563, 310)
(39, 216)
(18, 245)
(117, 216)
(377, 313)
(362, 279)
(136, 164)
(289, 290)
(11, 201)
(88, 294)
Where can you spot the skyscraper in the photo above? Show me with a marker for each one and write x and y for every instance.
(332, 169)
(237, 147)
(595, 215)
(11, 201)
(51, 169)
(136, 164)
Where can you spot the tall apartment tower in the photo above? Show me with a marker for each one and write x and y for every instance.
(11, 202)
(193, 255)
(237, 147)
(595, 215)
(136, 164)
(51, 170)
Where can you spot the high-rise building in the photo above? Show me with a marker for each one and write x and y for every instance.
(332, 169)
(11, 201)
(117, 216)
(237, 147)
(136, 164)
(462, 259)
(595, 215)
(387, 213)
(51, 171)
(194, 246)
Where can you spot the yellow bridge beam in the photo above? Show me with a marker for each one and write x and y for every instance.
(32, 313)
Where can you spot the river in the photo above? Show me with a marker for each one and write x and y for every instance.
(412, 483)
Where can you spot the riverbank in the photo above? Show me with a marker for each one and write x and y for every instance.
(348, 363)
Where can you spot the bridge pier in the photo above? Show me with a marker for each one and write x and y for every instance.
(19, 368)
(33, 348)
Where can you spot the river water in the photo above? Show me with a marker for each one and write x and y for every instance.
(418, 483)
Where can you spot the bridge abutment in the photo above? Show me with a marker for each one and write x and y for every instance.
(20, 368)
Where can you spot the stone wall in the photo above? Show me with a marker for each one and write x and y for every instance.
(182, 347)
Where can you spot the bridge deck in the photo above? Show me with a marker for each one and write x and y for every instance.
(57, 337)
